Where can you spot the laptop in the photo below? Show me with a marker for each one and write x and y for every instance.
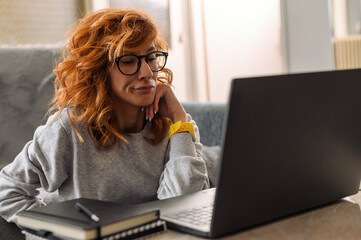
(290, 143)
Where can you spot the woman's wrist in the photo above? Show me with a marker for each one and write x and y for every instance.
(179, 116)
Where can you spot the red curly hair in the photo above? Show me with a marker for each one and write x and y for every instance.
(81, 83)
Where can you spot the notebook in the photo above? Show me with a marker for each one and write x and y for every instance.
(84, 218)
(290, 143)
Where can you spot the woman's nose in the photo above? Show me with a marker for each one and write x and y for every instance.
(145, 72)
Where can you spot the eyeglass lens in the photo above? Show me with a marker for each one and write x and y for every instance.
(129, 64)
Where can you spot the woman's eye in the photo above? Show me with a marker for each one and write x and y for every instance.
(152, 57)
(127, 61)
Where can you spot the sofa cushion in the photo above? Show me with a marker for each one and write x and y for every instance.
(209, 118)
(211, 155)
(25, 93)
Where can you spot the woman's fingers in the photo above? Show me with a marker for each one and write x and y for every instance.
(157, 97)
(149, 112)
(165, 103)
(162, 101)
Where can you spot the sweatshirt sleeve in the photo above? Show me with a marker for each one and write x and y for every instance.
(185, 170)
(41, 163)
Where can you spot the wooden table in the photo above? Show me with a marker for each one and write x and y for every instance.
(340, 220)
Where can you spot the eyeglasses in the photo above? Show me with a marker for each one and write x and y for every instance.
(130, 64)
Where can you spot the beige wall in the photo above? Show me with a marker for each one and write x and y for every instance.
(232, 39)
(243, 38)
(36, 21)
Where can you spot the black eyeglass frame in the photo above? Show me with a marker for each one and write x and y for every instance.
(140, 61)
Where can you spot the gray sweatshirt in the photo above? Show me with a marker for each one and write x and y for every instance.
(134, 172)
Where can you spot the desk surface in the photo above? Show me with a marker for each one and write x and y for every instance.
(340, 220)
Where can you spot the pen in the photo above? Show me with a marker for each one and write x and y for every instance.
(86, 211)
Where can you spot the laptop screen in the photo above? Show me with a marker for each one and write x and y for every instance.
(291, 142)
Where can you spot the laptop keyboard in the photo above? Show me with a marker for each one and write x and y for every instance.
(197, 216)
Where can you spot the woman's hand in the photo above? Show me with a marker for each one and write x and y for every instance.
(166, 103)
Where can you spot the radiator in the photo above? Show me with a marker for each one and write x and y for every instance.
(347, 52)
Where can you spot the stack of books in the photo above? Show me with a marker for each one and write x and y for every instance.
(90, 219)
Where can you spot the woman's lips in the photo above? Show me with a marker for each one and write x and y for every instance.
(144, 87)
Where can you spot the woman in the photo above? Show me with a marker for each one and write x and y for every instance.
(118, 132)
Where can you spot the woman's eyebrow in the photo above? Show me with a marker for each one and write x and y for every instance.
(151, 49)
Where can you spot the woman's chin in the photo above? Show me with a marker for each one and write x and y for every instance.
(146, 103)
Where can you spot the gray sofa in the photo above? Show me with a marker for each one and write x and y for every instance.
(26, 87)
